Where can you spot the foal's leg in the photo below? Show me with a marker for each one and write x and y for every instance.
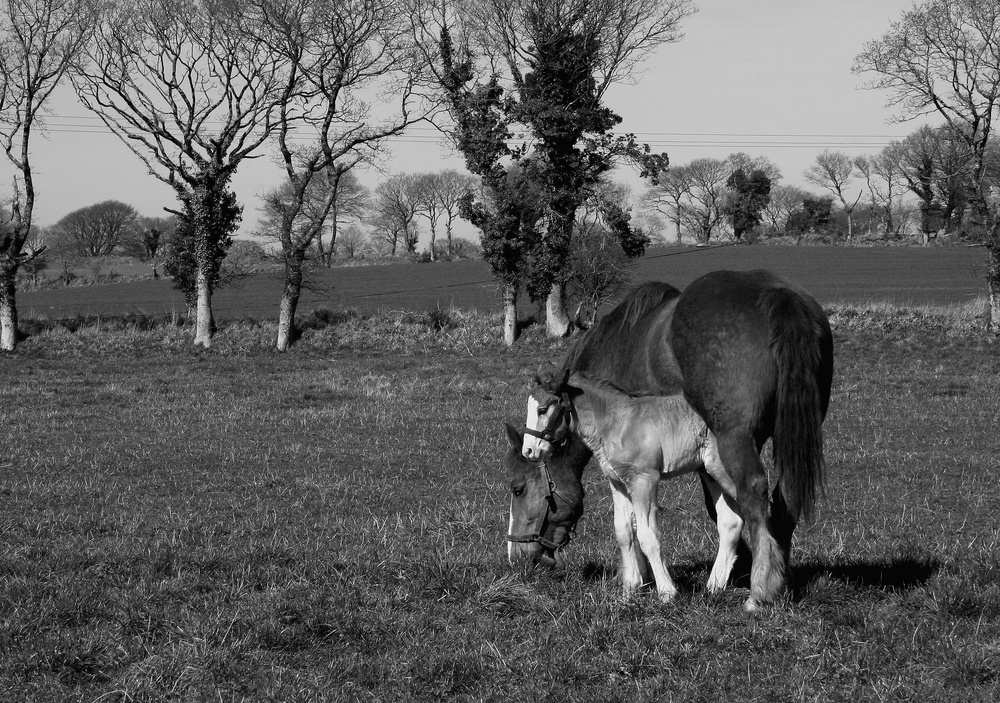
(730, 525)
(738, 452)
(634, 568)
(643, 492)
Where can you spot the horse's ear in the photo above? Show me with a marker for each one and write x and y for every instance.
(513, 435)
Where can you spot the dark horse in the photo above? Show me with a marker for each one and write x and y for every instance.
(753, 355)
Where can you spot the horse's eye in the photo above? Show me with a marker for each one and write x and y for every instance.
(517, 490)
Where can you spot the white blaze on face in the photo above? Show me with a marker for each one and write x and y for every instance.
(533, 448)
(510, 530)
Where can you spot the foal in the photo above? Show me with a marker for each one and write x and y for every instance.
(637, 440)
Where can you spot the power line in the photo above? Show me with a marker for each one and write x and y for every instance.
(87, 124)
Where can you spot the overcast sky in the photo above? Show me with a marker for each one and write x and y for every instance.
(767, 77)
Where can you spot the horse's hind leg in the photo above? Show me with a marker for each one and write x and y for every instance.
(635, 569)
(730, 525)
(767, 575)
(782, 526)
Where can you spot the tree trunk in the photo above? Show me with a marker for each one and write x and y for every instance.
(8, 315)
(993, 272)
(433, 238)
(286, 317)
(509, 295)
(994, 305)
(289, 303)
(204, 320)
(321, 251)
(556, 319)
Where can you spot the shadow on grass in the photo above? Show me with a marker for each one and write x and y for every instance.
(889, 576)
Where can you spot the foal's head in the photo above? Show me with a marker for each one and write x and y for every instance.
(547, 424)
(546, 499)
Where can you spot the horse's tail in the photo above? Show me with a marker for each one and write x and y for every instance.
(803, 347)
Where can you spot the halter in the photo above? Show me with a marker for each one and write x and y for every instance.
(548, 433)
(550, 507)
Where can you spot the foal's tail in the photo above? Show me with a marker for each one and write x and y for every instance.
(803, 347)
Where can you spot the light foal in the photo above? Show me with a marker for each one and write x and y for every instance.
(637, 440)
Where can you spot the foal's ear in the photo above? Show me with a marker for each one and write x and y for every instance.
(514, 436)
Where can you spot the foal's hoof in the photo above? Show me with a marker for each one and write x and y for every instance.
(667, 596)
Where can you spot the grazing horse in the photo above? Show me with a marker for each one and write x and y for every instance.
(546, 500)
(637, 440)
(753, 355)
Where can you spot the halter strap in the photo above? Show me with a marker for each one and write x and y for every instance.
(548, 433)
(550, 500)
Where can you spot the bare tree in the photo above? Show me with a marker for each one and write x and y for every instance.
(191, 89)
(834, 171)
(428, 204)
(394, 208)
(451, 187)
(938, 168)
(883, 181)
(95, 230)
(39, 40)
(942, 57)
(336, 49)
(702, 209)
(784, 201)
(439, 195)
(350, 203)
(352, 241)
(669, 195)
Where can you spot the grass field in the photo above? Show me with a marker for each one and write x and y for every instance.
(327, 525)
(833, 274)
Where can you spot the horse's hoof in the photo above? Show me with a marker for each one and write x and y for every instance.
(667, 597)
(751, 606)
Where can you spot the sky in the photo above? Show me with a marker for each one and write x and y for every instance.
(766, 77)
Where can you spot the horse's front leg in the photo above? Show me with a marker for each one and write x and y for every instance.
(643, 492)
(634, 568)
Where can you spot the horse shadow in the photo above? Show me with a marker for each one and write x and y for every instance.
(896, 575)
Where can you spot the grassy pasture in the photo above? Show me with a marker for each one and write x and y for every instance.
(833, 274)
(327, 525)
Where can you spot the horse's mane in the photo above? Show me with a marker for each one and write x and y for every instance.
(607, 334)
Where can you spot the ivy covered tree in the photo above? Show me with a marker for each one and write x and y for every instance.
(559, 57)
(217, 215)
(480, 132)
(749, 196)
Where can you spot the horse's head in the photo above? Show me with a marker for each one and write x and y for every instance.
(546, 499)
(547, 425)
